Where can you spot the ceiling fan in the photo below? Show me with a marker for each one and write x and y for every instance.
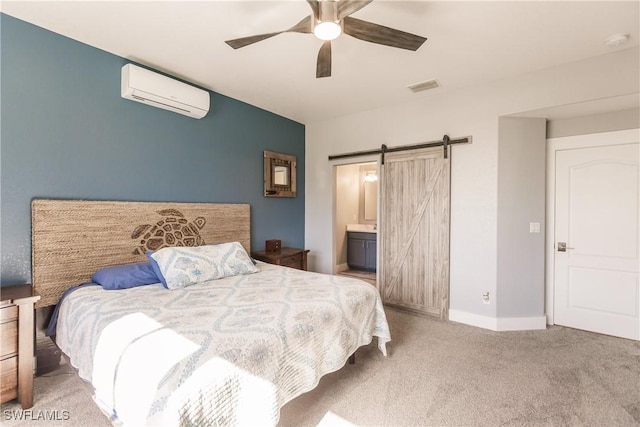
(330, 18)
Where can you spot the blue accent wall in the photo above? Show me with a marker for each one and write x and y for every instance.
(66, 133)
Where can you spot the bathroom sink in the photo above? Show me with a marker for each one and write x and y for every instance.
(363, 228)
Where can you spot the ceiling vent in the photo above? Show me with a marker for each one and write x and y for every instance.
(429, 84)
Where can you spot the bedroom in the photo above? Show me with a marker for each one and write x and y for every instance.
(66, 133)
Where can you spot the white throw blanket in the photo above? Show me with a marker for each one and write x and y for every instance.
(231, 351)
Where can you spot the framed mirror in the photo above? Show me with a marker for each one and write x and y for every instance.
(279, 175)
(368, 209)
(370, 200)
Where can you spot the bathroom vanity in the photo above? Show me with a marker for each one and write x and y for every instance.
(361, 247)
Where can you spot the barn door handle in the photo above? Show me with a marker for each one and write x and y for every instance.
(562, 247)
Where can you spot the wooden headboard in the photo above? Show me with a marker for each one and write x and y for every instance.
(71, 239)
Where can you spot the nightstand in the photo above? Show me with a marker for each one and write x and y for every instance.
(286, 257)
(16, 345)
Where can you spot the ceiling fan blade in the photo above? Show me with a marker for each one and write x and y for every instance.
(315, 6)
(323, 67)
(246, 41)
(304, 26)
(374, 33)
(347, 7)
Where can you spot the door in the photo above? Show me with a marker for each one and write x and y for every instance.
(414, 232)
(596, 220)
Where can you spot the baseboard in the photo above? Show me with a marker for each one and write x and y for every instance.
(467, 318)
(342, 267)
(498, 323)
(522, 323)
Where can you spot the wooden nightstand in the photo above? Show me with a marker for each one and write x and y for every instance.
(16, 347)
(286, 257)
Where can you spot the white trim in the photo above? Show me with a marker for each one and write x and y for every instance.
(498, 324)
(601, 139)
(472, 319)
(522, 323)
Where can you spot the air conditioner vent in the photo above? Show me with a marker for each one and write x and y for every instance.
(151, 88)
(429, 84)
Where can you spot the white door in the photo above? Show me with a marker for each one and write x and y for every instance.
(596, 218)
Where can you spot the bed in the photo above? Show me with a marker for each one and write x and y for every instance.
(230, 351)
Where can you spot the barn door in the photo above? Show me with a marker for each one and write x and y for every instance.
(414, 241)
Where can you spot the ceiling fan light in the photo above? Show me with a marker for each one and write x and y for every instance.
(327, 30)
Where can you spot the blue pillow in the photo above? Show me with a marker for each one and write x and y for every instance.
(125, 276)
(156, 269)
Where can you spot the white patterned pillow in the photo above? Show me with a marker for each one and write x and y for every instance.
(181, 266)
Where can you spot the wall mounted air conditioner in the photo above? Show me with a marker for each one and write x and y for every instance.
(142, 85)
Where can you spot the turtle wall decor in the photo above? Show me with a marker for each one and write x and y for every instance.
(172, 230)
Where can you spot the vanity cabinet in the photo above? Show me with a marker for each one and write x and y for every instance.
(361, 250)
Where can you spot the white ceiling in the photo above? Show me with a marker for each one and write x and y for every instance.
(469, 43)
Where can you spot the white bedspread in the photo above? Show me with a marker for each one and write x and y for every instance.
(226, 352)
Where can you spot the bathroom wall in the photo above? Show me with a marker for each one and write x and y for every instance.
(347, 208)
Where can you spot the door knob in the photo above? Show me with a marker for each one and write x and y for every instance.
(562, 247)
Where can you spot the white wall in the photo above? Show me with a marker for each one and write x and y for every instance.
(594, 123)
(521, 201)
(472, 111)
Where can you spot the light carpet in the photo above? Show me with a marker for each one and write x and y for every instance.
(438, 374)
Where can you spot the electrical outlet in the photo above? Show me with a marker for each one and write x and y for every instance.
(485, 298)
